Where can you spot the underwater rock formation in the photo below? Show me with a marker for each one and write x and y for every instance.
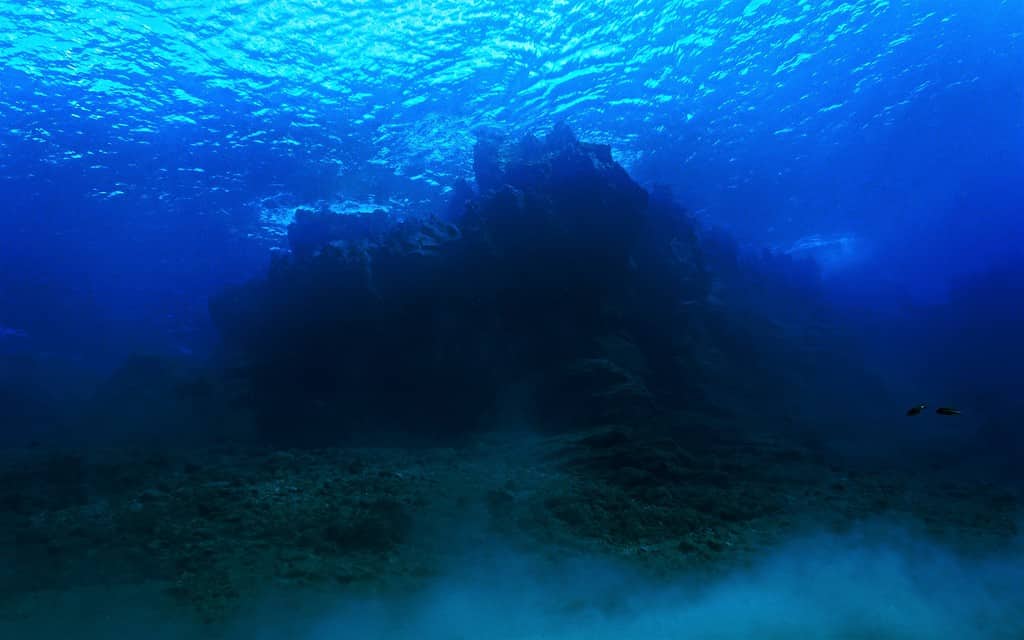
(375, 325)
(555, 291)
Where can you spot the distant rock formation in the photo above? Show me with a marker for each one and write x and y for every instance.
(555, 290)
(557, 274)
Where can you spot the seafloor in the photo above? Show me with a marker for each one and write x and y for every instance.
(209, 529)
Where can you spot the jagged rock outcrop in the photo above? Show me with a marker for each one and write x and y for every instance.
(372, 324)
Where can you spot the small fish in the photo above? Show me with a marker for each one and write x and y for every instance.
(947, 411)
(915, 410)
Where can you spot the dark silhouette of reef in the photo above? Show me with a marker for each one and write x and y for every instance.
(558, 291)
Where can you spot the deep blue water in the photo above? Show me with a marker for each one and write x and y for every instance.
(854, 172)
(151, 151)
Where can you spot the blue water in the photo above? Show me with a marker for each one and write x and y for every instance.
(146, 147)
(154, 152)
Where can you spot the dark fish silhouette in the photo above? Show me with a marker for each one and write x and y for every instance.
(915, 410)
(947, 411)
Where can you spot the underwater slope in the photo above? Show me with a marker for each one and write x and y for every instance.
(631, 531)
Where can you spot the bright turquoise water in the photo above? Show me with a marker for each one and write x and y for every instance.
(683, 85)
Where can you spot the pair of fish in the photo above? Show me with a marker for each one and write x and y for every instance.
(942, 411)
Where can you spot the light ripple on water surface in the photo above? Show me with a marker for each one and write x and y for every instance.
(404, 82)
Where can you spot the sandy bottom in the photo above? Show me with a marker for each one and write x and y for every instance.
(608, 533)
